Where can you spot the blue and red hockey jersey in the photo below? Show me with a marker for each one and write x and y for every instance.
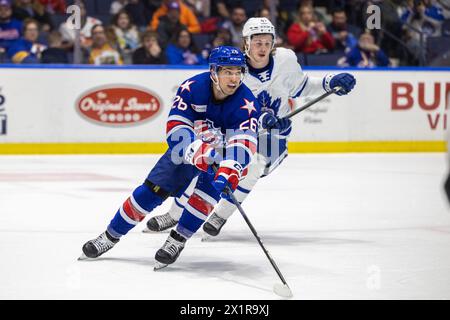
(235, 117)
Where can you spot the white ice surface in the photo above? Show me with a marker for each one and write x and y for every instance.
(339, 226)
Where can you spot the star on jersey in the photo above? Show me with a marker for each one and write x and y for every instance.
(249, 106)
(186, 86)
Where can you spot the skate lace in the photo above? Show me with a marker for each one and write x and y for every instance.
(216, 221)
(172, 246)
(165, 220)
(102, 243)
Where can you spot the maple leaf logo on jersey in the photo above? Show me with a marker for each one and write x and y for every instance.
(249, 106)
(186, 86)
(265, 100)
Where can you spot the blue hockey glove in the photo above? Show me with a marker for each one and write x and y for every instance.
(269, 121)
(284, 126)
(344, 80)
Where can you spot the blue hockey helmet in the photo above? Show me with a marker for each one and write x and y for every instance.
(226, 56)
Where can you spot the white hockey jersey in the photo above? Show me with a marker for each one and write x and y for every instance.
(273, 85)
(282, 79)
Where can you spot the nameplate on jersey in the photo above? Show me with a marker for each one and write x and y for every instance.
(199, 107)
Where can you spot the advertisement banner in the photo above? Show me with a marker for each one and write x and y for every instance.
(113, 105)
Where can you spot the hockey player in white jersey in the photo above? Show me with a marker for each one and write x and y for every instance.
(274, 76)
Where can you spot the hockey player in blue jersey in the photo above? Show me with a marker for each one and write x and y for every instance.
(228, 111)
(274, 76)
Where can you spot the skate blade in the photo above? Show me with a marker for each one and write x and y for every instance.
(147, 230)
(159, 266)
(207, 238)
(83, 257)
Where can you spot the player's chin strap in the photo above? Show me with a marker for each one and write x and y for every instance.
(306, 106)
(247, 48)
(215, 79)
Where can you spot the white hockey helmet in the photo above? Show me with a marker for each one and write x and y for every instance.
(257, 26)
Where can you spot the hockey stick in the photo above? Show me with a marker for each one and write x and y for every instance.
(282, 290)
(306, 106)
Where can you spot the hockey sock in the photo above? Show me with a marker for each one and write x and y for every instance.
(133, 211)
(196, 211)
(177, 207)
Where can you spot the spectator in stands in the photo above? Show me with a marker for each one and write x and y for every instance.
(27, 49)
(116, 6)
(150, 52)
(152, 6)
(425, 15)
(287, 10)
(183, 51)
(87, 22)
(444, 6)
(345, 35)
(420, 17)
(54, 6)
(139, 13)
(235, 25)
(187, 17)
(23, 9)
(366, 54)
(112, 39)
(101, 51)
(224, 8)
(127, 35)
(55, 53)
(10, 28)
(222, 37)
(201, 8)
(169, 24)
(265, 13)
(308, 35)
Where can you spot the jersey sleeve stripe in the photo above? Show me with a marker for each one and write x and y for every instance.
(248, 137)
(180, 118)
(246, 144)
(174, 123)
(302, 88)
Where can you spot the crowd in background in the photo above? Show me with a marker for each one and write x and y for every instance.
(334, 32)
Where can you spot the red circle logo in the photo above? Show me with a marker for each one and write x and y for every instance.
(118, 105)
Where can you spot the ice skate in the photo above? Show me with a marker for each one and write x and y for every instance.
(213, 226)
(160, 223)
(170, 251)
(96, 247)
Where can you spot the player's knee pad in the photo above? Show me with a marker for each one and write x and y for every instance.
(148, 196)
